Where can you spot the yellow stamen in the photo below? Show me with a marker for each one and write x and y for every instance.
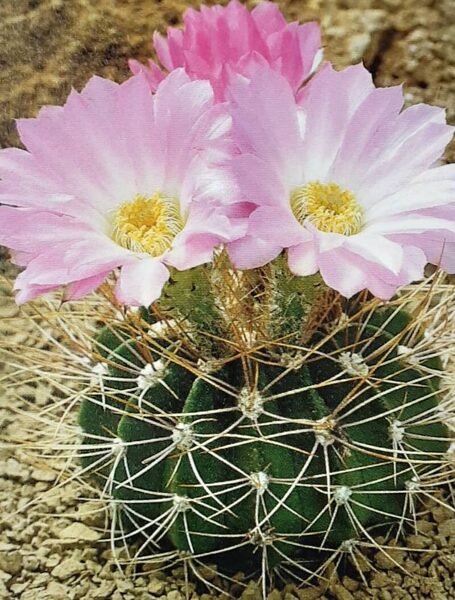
(328, 207)
(147, 224)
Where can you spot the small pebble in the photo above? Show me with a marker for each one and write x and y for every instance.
(67, 569)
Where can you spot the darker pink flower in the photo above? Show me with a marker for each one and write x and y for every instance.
(118, 177)
(216, 41)
(344, 179)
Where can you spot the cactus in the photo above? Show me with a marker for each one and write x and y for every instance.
(270, 434)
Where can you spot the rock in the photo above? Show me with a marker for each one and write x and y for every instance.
(43, 475)
(105, 590)
(79, 532)
(57, 590)
(34, 594)
(274, 595)
(424, 527)
(341, 593)
(441, 513)
(379, 580)
(447, 528)
(389, 558)
(252, 592)
(350, 584)
(67, 569)
(358, 45)
(11, 562)
(92, 513)
(16, 470)
(418, 542)
(175, 595)
(18, 588)
(309, 594)
(156, 586)
(5, 547)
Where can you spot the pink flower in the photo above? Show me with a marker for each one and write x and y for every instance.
(118, 178)
(344, 179)
(219, 40)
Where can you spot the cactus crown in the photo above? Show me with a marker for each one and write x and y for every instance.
(258, 421)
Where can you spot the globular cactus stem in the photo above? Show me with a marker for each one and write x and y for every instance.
(270, 454)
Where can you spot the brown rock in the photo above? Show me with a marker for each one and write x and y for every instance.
(441, 513)
(43, 475)
(341, 593)
(447, 528)
(252, 592)
(105, 590)
(78, 532)
(67, 569)
(156, 586)
(379, 580)
(389, 558)
(11, 562)
(350, 584)
(418, 542)
(57, 590)
(309, 593)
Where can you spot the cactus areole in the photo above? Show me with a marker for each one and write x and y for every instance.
(268, 425)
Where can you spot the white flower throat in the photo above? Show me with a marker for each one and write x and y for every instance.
(328, 207)
(147, 224)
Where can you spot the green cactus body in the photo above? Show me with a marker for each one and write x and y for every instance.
(298, 455)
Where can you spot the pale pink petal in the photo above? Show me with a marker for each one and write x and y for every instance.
(339, 271)
(365, 136)
(83, 287)
(140, 283)
(250, 252)
(294, 51)
(437, 174)
(82, 145)
(170, 50)
(259, 183)
(256, 104)
(413, 198)
(207, 227)
(350, 273)
(439, 248)
(420, 134)
(152, 72)
(31, 292)
(18, 227)
(329, 102)
(268, 17)
(376, 249)
(276, 225)
(302, 259)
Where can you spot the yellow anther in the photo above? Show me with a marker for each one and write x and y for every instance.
(147, 224)
(328, 207)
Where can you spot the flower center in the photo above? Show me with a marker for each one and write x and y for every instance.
(327, 207)
(147, 224)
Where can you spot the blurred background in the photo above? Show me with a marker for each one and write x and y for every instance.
(47, 46)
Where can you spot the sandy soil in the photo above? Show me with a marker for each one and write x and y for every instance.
(54, 549)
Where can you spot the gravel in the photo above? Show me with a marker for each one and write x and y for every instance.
(52, 532)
